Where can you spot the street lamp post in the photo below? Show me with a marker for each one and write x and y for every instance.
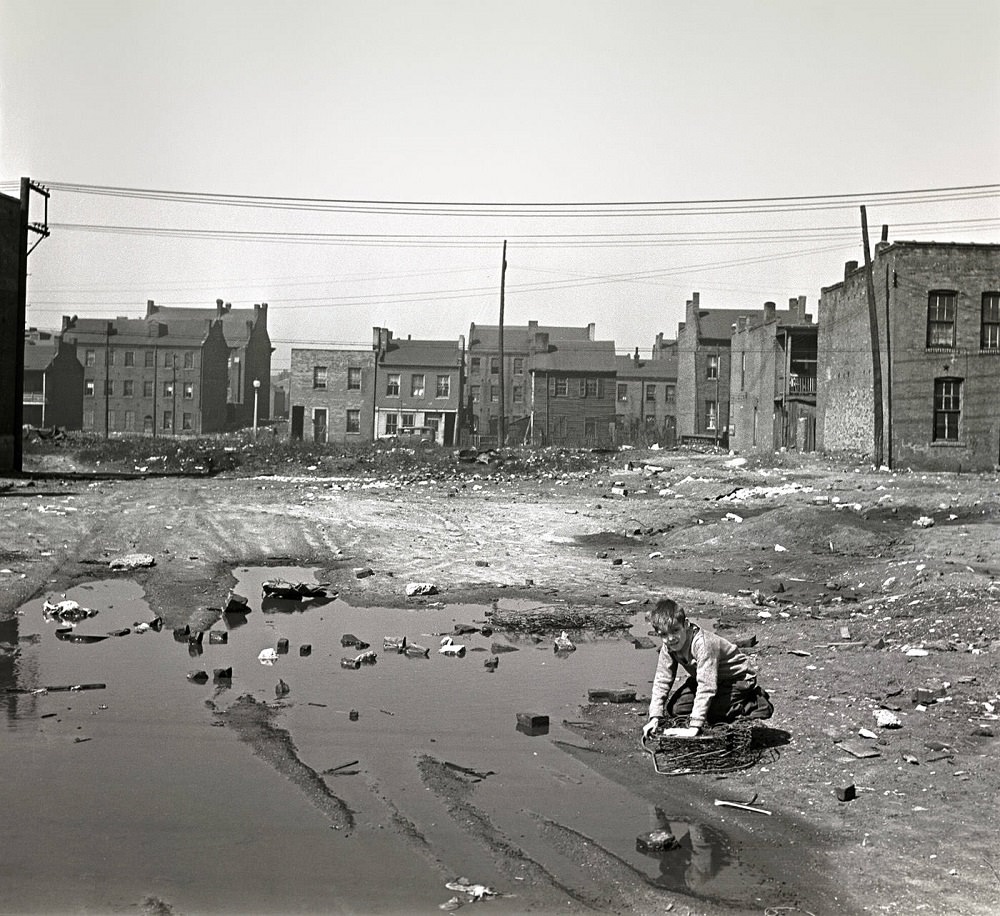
(256, 393)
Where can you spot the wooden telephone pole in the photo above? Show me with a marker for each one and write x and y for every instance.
(502, 420)
(876, 355)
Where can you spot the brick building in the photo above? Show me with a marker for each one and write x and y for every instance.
(245, 331)
(53, 381)
(938, 313)
(521, 342)
(572, 391)
(773, 380)
(646, 396)
(419, 385)
(331, 395)
(150, 376)
(703, 372)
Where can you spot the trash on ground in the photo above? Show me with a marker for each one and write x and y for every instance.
(885, 718)
(611, 695)
(729, 804)
(450, 647)
(132, 561)
(414, 589)
(563, 643)
(858, 748)
(268, 656)
(656, 841)
(289, 591)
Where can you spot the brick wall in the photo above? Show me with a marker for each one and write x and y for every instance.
(336, 398)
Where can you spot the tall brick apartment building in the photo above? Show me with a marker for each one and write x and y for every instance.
(249, 359)
(150, 376)
(646, 396)
(938, 309)
(772, 398)
(331, 395)
(521, 343)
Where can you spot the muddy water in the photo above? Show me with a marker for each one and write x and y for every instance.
(130, 792)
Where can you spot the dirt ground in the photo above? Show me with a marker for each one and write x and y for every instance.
(856, 601)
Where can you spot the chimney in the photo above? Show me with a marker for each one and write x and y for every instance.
(636, 357)
(229, 306)
(151, 308)
(802, 310)
(591, 331)
(793, 306)
(885, 232)
(691, 315)
(67, 322)
(532, 325)
(849, 268)
(219, 307)
(461, 343)
(376, 338)
(768, 312)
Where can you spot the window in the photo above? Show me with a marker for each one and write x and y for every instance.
(651, 392)
(147, 424)
(711, 414)
(89, 357)
(111, 420)
(168, 389)
(671, 394)
(353, 378)
(561, 387)
(169, 359)
(186, 421)
(408, 419)
(590, 427)
(474, 391)
(128, 388)
(88, 388)
(168, 419)
(712, 370)
(319, 376)
(474, 364)
(494, 393)
(88, 419)
(518, 394)
(129, 421)
(518, 365)
(188, 363)
(392, 385)
(743, 371)
(417, 385)
(989, 335)
(147, 361)
(147, 389)
(559, 428)
(443, 386)
(354, 421)
(622, 391)
(947, 409)
(494, 365)
(941, 319)
(111, 356)
(590, 388)
(391, 424)
(189, 391)
(109, 387)
(129, 358)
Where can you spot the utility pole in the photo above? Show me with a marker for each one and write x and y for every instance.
(108, 331)
(876, 356)
(502, 423)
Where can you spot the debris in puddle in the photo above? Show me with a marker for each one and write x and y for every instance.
(412, 650)
(345, 769)
(268, 656)
(366, 658)
(297, 591)
(67, 610)
(491, 663)
(349, 639)
(611, 695)
(353, 715)
(656, 841)
(395, 643)
(217, 637)
(451, 648)
(198, 677)
(236, 604)
(563, 643)
(68, 635)
(415, 589)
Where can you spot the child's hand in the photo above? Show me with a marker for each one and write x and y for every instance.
(680, 732)
(651, 726)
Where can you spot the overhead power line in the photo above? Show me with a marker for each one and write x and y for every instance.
(705, 206)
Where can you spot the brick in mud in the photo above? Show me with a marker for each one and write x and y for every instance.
(236, 604)
(847, 793)
(611, 695)
(198, 677)
(217, 638)
(305, 649)
(350, 663)
(532, 720)
(222, 674)
(282, 646)
(656, 841)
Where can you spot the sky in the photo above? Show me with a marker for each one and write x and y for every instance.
(360, 164)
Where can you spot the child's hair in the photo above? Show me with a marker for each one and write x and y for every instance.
(667, 613)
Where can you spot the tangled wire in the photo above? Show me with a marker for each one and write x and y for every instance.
(718, 749)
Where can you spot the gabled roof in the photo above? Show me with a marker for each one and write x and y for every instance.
(445, 354)
(579, 356)
(37, 356)
(520, 337)
(659, 369)
(136, 331)
(234, 321)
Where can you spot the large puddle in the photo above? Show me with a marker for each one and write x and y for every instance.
(126, 791)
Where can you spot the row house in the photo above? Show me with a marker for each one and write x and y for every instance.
(773, 380)
(646, 396)
(703, 372)
(249, 357)
(572, 393)
(53, 381)
(150, 376)
(483, 371)
(937, 313)
(397, 388)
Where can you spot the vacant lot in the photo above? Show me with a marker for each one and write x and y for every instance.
(860, 587)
